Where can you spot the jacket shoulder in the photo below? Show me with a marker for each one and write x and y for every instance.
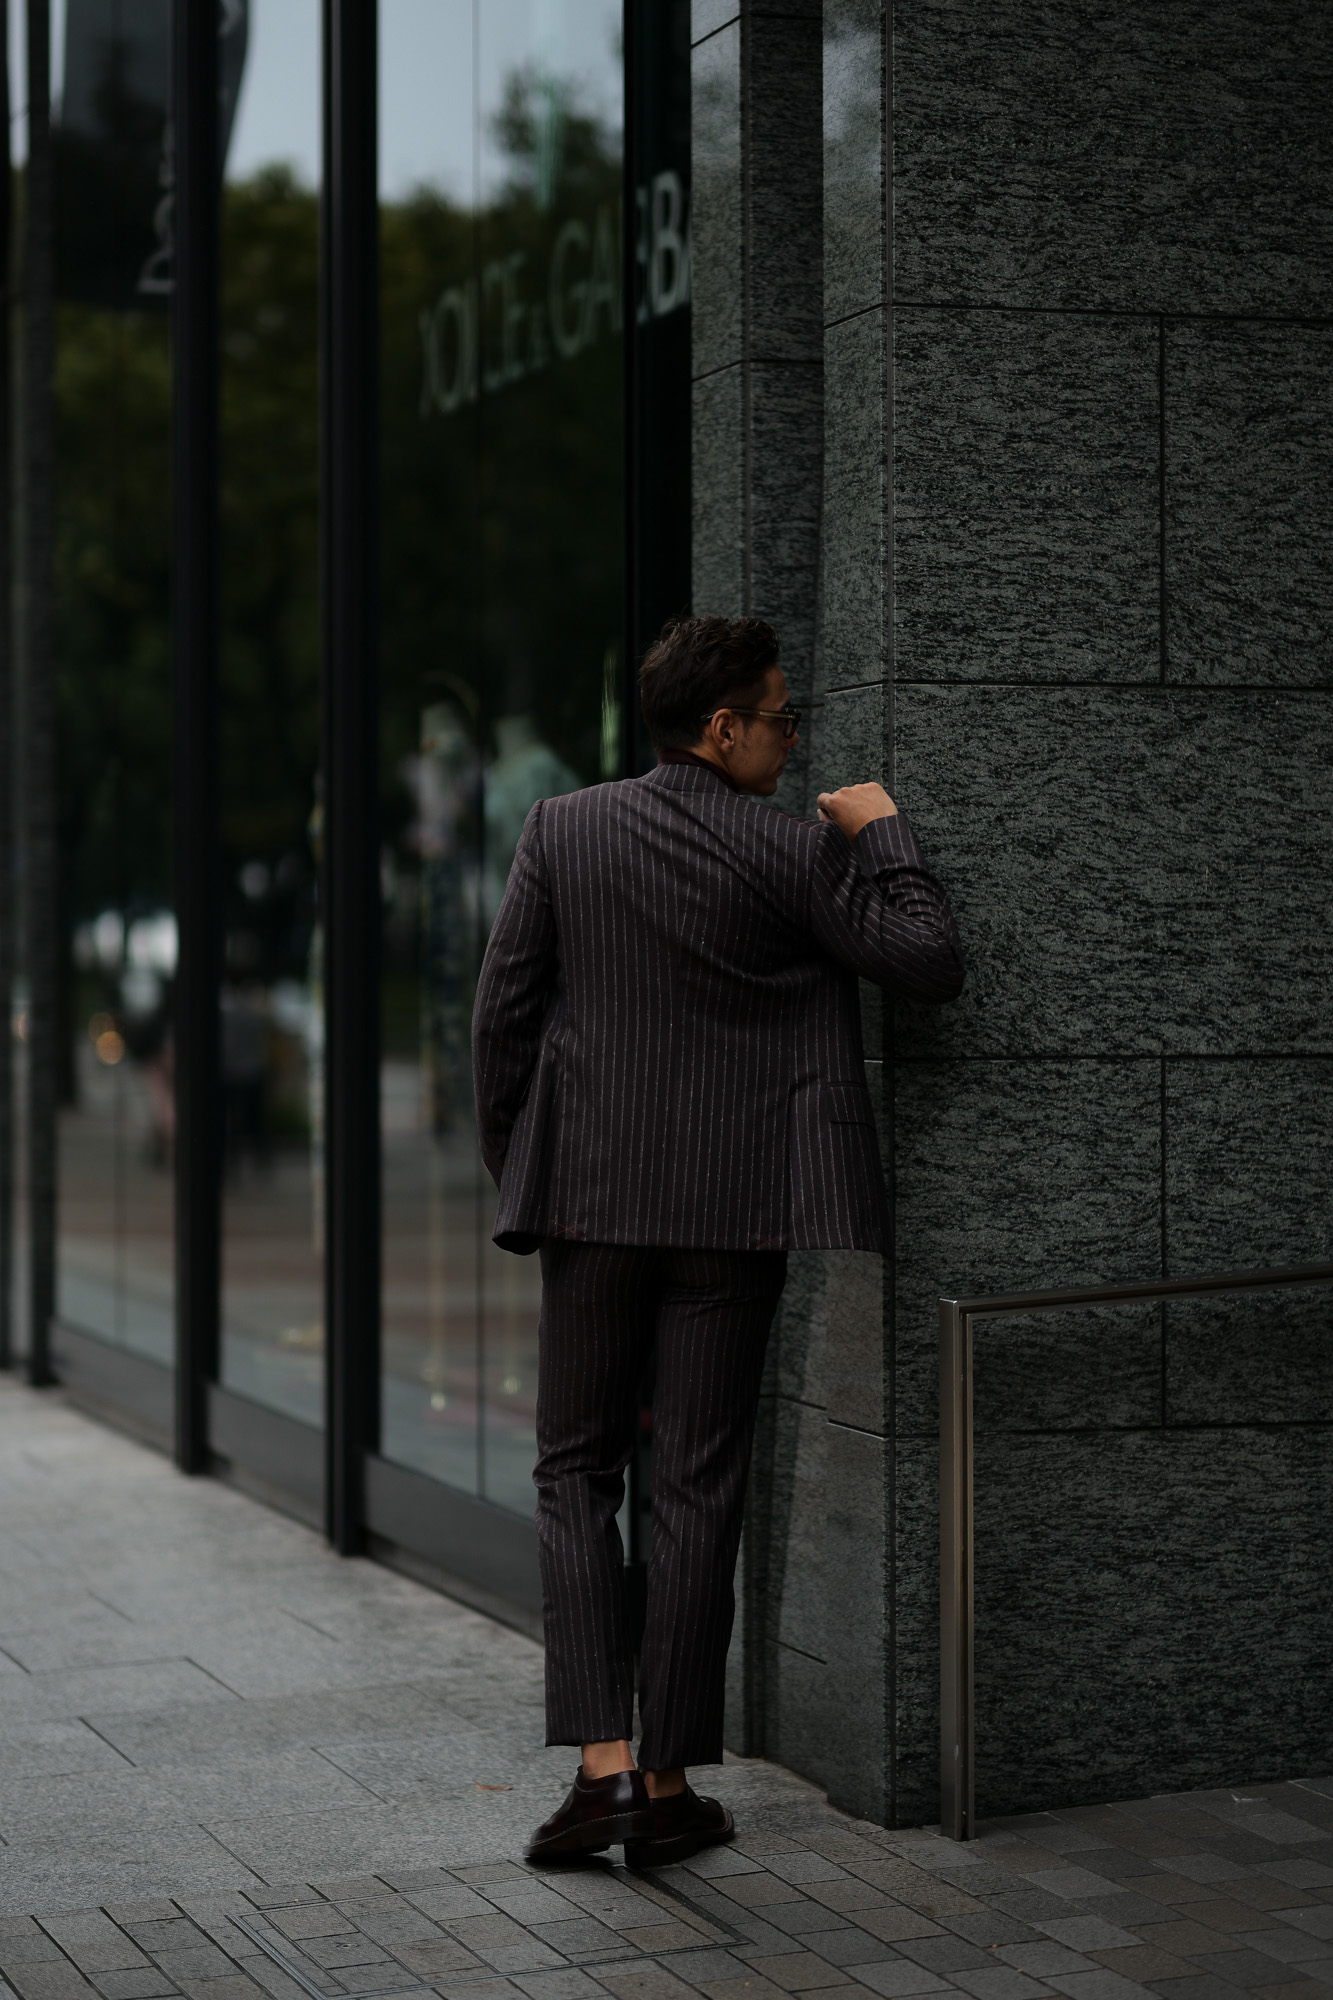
(660, 794)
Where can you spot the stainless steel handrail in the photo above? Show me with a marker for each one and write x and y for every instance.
(957, 1720)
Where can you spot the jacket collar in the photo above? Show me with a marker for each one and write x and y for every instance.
(693, 776)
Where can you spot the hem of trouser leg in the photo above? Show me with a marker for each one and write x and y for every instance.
(590, 1736)
(686, 1759)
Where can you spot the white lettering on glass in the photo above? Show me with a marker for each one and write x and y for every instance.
(483, 337)
(504, 362)
(604, 284)
(668, 267)
(568, 295)
(449, 350)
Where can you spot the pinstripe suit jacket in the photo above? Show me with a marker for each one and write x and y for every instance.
(667, 1030)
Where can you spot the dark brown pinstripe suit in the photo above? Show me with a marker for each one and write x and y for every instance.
(668, 1063)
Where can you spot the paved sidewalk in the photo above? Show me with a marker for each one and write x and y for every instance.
(196, 1694)
(232, 1765)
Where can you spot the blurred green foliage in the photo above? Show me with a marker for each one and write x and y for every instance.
(501, 523)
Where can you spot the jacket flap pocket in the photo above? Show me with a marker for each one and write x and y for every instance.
(847, 1104)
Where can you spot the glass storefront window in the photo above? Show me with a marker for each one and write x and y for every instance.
(502, 579)
(113, 408)
(271, 1002)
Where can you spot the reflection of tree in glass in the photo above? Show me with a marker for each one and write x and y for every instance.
(553, 149)
(112, 392)
(112, 580)
(501, 546)
(270, 513)
(270, 558)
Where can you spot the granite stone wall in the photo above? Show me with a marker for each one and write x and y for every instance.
(1051, 537)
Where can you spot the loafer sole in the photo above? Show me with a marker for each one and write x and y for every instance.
(676, 1846)
(592, 1837)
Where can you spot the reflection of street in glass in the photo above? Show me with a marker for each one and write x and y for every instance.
(273, 1321)
(433, 1403)
(115, 1275)
(460, 1362)
(245, 1068)
(115, 1263)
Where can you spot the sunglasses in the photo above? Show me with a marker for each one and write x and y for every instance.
(789, 717)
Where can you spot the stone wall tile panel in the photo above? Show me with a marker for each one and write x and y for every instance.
(855, 1561)
(1250, 503)
(800, 1724)
(855, 503)
(1250, 1187)
(786, 217)
(1133, 871)
(855, 237)
(855, 1372)
(1152, 158)
(716, 212)
(799, 1335)
(1026, 499)
(914, 1773)
(783, 474)
(851, 747)
(707, 16)
(1023, 1176)
(797, 1603)
(1154, 1613)
(719, 519)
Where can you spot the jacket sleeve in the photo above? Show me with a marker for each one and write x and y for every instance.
(514, 991)
(876, 908)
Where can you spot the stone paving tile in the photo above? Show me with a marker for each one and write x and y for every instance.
(1000, 1982)
(1044, 1959)
(896, 1925)
(991, 1929)
(797, 1971)
(1088, 1933)
(145, 1984)
(901, 1979)
(798, 1918)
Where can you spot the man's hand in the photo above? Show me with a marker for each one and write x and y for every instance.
(855, 806)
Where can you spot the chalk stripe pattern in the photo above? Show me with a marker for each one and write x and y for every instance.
(705, 1314)
(667, 1035)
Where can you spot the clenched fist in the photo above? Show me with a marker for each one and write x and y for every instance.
(855, 806)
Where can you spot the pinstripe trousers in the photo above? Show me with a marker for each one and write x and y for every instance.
(706, 1314)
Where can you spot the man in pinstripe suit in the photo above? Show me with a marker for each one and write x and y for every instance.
(671, 1094)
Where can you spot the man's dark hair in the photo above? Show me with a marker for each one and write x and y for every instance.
(700, 664)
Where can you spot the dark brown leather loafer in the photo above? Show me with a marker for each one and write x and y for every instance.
(682, 1824)
(597, 1812)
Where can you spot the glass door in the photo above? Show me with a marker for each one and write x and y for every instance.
(502, 579)
(271, 997)
(116, 926)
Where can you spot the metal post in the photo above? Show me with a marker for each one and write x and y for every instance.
(195, 562)
(957, 1810)
(350, 889)
(7, 903)
(39, 749)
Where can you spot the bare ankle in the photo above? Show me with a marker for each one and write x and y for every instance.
(664, 1784)
(606, 1760)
